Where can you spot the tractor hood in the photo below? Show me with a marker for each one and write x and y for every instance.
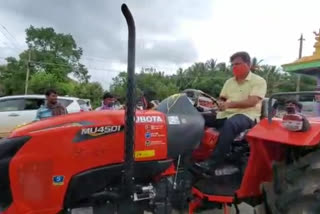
(75, 119)
(8, 148)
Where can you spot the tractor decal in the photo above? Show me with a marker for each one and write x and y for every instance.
(149, 119)
(98, 131)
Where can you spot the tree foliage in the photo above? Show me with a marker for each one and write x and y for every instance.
(53, 60)
(149, 82)
(209, 77)
(54, 53)
(92, 91)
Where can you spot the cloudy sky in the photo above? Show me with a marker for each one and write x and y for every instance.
(170, 33)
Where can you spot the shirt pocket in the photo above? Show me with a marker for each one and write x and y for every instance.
(242, 92)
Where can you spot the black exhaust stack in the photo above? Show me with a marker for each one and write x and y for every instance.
(130, 104)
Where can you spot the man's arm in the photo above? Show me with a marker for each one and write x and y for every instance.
(248, 103)
(223, 93)
(223, 96)
(37, 115)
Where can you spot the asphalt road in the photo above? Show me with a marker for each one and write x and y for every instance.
(244, 209)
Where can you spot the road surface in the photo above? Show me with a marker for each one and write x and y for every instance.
(244, 209)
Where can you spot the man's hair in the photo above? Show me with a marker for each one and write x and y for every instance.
(107, 95)
(50, 91)
(295, 102)
(243, 55)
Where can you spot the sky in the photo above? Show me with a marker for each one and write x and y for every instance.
(170, 34)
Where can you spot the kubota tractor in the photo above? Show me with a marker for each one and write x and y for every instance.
(132, 162)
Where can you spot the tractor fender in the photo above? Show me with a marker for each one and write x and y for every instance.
(275, 132)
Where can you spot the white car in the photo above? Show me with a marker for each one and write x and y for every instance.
(18, 110)
(85, 104)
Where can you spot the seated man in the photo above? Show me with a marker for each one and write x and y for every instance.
(294, 106)
(240, 106)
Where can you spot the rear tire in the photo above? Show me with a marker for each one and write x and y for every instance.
(295, 188)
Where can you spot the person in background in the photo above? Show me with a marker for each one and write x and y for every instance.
(146, 100)
(109, 102)
(154, 105)
(317, 102)
(317, 96)
(275, 107)
(51, 108)
(294, 106)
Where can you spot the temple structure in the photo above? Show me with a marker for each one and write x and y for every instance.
(309, 65)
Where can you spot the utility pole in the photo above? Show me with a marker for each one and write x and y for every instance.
(28, 72)
(301, 39)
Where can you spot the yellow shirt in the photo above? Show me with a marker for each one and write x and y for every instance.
(253, 85)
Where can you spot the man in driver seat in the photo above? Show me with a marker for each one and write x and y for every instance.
(239, 106)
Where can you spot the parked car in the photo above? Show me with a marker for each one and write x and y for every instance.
(17, 110)
(85, 104)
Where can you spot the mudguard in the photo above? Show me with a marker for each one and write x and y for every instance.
(275, 132)
(267, 144)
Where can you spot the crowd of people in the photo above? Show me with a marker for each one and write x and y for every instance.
(52, 107)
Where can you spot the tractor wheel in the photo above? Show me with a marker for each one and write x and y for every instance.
(295, 188)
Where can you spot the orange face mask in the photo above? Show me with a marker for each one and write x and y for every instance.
(240, 71)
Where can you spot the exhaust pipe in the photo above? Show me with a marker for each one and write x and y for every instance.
(130, 104)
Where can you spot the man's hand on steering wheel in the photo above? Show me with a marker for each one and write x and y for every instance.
(222, 104)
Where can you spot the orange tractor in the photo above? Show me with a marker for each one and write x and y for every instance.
(135, 161)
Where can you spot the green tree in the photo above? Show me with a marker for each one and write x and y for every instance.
(280, 81)
(92, 91)
(118, 86)
(209, 77)
(41, 81)
(148, 81)
(51, 57)
(13, 76)
(54, 53)
(274, 78)
(255, 64)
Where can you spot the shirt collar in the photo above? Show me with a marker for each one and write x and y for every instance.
(249, 76)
